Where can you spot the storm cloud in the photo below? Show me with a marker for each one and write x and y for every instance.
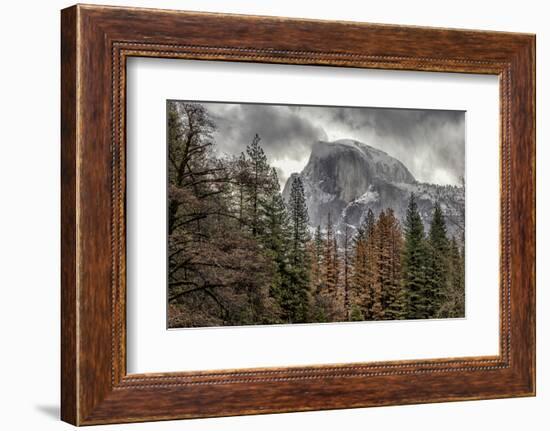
(431, 143)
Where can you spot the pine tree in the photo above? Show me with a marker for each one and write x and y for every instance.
(298, 306)
(381, 266)
(321, 303)
(370, 265)
(299, 220)
(241, 180)
(377, 292)
(395, 300)
(331, 273)
(329, 282)
(338, 304)
(318, 242)
(347, 271)
(414, 264)
(453, 303)
(461, 281)
(438, 265)
(359, 275)
(276, 239)
(258, 179)
(363, 269)
(316, 253)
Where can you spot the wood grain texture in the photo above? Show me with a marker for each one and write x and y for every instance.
(69, 366)
(96, 41)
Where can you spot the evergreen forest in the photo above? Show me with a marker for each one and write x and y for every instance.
(240, 254)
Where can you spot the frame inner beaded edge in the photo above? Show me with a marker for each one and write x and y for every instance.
(120, 380)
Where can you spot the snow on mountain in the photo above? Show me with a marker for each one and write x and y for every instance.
(346, 177)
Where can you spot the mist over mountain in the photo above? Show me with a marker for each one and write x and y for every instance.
(347, 177)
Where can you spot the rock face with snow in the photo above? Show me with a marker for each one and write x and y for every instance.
(346, 177)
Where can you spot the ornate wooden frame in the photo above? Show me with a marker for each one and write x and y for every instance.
(95, 43)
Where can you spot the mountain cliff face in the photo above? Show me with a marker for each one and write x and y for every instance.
(346, 177)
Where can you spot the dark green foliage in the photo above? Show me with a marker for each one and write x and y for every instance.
(275, 232)
(275, 236)
(297, 303)
(258, 183)
(299, 220)
(438, 265)
(318, 303)
(356, 315)
(415, 262)
(454, 301)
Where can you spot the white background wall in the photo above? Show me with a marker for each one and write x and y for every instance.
(29, 215)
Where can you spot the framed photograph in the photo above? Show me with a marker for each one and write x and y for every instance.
(266, 215)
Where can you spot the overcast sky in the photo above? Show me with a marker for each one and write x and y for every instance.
(429, 143)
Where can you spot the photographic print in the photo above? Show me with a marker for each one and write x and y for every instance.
(295, 214)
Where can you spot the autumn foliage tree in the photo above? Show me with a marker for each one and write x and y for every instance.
(390, 244)
(331, 274)
(364, 270)
(377, 291)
